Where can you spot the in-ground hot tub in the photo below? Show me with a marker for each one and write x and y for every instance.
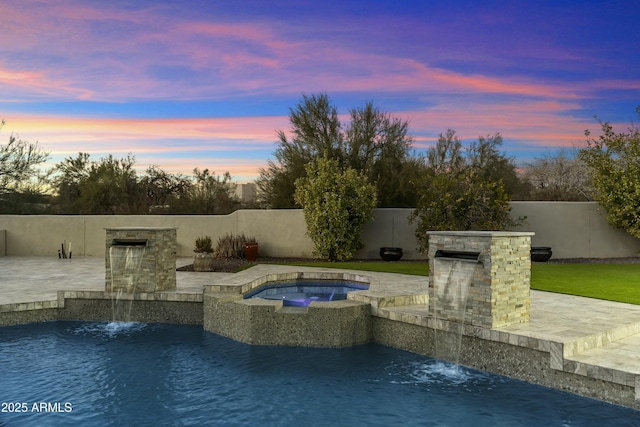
(302, 292)
(299, 309)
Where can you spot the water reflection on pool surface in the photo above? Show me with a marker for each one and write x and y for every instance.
(151, 374)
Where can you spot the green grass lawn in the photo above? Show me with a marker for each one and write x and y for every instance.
(415, 268)
(614, 282)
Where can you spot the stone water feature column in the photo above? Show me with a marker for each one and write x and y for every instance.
(499, 290)
(156, 267)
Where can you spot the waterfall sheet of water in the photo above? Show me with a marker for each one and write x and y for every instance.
(125, 262)
(452, 279)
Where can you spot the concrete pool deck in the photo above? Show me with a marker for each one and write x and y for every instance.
(592, 338)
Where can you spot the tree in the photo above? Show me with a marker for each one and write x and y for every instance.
(164, 191)
(373, 143)
(462, 188)
(22, 184)
(562, 176)
(485, 157)
(614, 160)
(211, 194)
(449, 155)
(446, 156)
(336, 203)
(18, 162)
(316, 130)
(111, 186)
(70, 176)
(108, 186)
(379, 146)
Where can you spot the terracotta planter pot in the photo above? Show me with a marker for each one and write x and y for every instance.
(250, 251)
(203, 261)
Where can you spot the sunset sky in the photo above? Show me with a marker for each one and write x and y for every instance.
(184, 84)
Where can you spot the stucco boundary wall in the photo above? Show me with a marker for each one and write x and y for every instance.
(3, 242)
(571, 229)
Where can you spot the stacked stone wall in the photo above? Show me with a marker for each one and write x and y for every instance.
(156, 271)
(510, 280)
(498, 294)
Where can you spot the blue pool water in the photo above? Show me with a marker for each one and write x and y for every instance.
(301, 293)
(95, 374)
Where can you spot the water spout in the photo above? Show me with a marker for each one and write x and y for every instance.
(125, 262)
(450, 294)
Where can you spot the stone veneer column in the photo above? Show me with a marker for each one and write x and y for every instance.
(499, 293)
(158, 267)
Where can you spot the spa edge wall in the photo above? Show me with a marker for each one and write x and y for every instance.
(572, 229)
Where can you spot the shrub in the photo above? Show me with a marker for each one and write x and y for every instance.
(463, 192)
(462, 202)
(203, 245)
(614, 159)
(336, 204)
(230, 246)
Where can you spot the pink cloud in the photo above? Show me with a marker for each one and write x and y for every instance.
(542, 124)
(175, 145)
(253, 32)
(15, 83)
(240, 170)
(222, 59)
(242, 145)
(630, 85)
(404, 74)
(67, 50)
(508, 86)
(60, 129)
(255, 58)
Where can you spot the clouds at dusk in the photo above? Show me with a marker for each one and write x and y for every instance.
(206, 84)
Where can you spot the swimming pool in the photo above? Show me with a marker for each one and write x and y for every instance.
(302, 292)
(152, 374)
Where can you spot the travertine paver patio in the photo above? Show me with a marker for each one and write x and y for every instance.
(591, 337)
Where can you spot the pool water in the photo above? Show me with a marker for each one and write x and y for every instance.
(98, 374)
(301, 293)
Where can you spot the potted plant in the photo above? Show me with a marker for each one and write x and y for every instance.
(250, 248)
(203, 256)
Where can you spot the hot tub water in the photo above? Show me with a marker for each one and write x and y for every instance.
(302, 292)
